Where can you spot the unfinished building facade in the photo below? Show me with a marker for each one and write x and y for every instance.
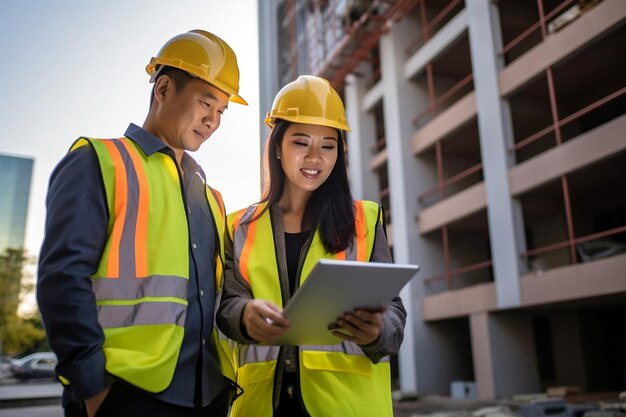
(494, 133)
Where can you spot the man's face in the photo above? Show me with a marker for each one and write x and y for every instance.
(189, 116)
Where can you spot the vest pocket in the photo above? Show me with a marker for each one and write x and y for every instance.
(337, 362)
(256, 379)
(252, 373)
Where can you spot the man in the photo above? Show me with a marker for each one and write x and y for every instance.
(131, 264)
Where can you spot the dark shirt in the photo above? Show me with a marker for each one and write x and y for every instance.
(290, 403)
(293, 247)
(76, 232)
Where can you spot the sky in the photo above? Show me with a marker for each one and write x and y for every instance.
(75, 68)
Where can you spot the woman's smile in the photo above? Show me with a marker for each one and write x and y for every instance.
(310, 173)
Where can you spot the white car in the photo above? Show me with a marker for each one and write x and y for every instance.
(37, 365)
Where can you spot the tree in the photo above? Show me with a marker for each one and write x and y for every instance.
(16, 333)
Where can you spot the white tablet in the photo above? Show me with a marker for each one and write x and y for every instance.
(336, 287)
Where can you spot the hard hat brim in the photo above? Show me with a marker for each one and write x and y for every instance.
(270, 121)
(154, 67)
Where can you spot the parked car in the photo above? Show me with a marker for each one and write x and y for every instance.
(37, 365)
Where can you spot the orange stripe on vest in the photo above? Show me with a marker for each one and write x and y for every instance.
(113, 264)
(361, 242)
(247, 247)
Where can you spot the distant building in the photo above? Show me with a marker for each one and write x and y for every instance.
(494, 133)
(15, 180)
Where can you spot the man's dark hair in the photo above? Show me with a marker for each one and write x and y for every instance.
(178, 76)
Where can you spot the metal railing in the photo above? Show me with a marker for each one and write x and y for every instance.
(428, 28)
(571, 243)
(452, 273)
(440, 188)
(432, 109)
(566, 120)
(540, 24)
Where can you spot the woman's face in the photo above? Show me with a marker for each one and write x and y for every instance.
(308, 154)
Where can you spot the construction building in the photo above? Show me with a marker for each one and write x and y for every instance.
(494, 133)
(15, 178)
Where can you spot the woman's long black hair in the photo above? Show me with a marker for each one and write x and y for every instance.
(330, 208)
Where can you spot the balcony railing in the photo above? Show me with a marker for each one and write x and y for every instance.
(440, 189)
(457, 272)
(566, 120)
(540, 24)
(432, 109)
(571, 243)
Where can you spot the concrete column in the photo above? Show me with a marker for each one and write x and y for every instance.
(503, 349)
(268, 63)
(363, 181)
(397, 99)
(482, 355)
(424, 354)
(494, 123)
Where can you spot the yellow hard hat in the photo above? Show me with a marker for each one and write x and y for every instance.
(203, 55)
(310, 100)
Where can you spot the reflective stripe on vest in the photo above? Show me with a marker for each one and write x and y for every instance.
(259, 353)
(338, 369)
(141, 281)
(132, 289)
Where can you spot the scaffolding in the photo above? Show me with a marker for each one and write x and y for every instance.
(329, 38)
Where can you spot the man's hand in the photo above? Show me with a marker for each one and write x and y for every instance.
(364, 326)
(92, 404)
(263, 321)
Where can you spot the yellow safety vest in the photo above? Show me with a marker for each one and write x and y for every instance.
(141, 281)
(335, 380)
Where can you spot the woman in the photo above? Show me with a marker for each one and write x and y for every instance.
(307, 213)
